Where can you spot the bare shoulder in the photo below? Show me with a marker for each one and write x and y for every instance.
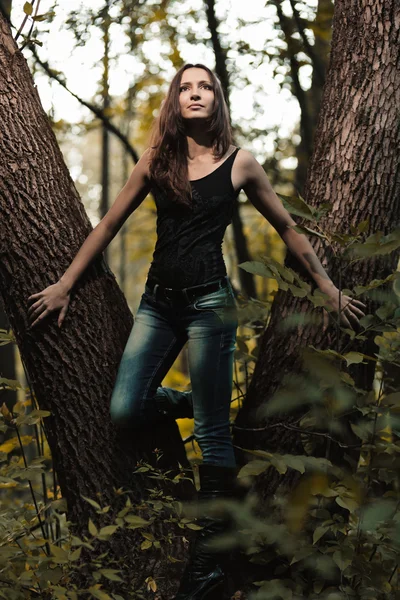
(140, 175)
(247, 166)
(245, 158)
(144, 162)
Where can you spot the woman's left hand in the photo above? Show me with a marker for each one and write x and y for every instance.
(350, 308)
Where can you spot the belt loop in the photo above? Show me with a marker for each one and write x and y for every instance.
(157, 285)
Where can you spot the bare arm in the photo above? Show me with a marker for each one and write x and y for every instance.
(129, 198)
(259, 191)
(57, 295)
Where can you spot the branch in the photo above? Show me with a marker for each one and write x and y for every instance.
(317, 63)
(305, 122)
(95, 110)
(300, 430)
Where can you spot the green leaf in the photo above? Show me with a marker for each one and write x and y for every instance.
(341, 560)
(296, 206)
(391, 399)
(363, 226)
(385, 311)
(75, 555)
(59, 555)
(375, 283)
(279, 463)
(362, 429)
(60, 504)
(136, 521)
(281, 271)
(193, 526)
(377, 244)
(318, 586)
(254, 467)
(141, 470)
(349, 503)
(146, 544)
(354, 358)
(316, 464)
(297, 291)
(92, 527)
(302, 554)
(108, 530)
(39, 17)
(10, 384)
(294, 462)
(257, 268)
(98, 593)
(318, 533)
(92, 502)
(111, 574)
(307, 231)
(51, 575)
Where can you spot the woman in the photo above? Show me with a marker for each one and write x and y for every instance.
(195, 174)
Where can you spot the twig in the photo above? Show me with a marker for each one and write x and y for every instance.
(300, 430)
(31, 29)
(32, 492)
(94, 109)
(23, 24)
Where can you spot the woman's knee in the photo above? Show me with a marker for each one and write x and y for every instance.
(124, 415)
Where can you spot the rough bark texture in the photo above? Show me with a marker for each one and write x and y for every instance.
(72, 370)
(355, 167)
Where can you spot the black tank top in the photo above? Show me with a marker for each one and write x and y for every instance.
(188, 250)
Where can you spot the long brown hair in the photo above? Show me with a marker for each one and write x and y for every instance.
(168, 143)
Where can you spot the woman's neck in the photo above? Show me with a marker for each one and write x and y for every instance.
(198, 143)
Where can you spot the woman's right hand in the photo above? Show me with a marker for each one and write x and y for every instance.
(51, 298)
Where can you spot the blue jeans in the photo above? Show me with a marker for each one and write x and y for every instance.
(161, 328)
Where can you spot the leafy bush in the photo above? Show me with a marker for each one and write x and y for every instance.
(336, 535)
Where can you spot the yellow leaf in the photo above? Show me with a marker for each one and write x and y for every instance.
(5, 412)
(28, 8)
(12, 443)
(151, 584)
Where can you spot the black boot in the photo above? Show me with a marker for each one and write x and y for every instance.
(204, 577)
(174, 403)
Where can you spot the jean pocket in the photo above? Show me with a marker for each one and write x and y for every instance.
(219, 299)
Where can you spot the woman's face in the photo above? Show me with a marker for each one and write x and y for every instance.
(196, 94)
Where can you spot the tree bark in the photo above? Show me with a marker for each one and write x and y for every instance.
(355, 167)
(72, 370)
(106, 101)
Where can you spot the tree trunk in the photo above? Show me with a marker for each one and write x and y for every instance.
(72, 370)
(310, 100)
(355, 167)
(105, 139)
(247, 282)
